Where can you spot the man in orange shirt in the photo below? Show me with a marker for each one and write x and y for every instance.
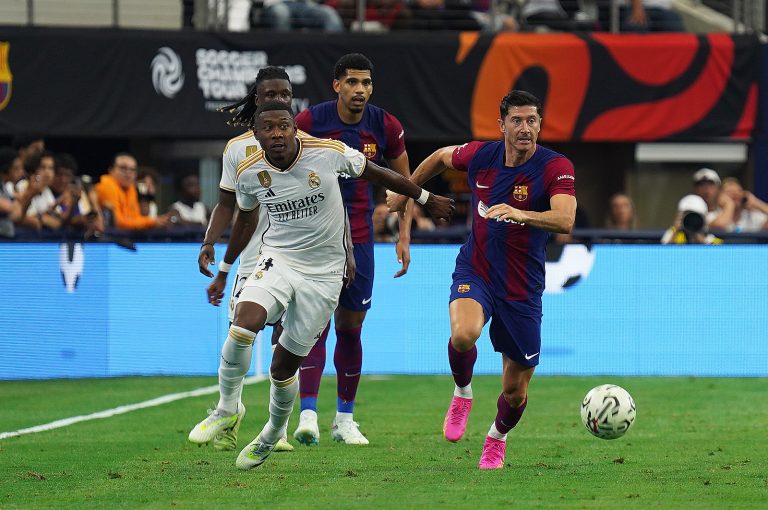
(117, 192)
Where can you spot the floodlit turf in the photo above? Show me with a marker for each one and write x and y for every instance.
(696, 443)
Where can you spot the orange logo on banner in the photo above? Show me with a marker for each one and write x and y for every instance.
(6, 78)
(564, 57)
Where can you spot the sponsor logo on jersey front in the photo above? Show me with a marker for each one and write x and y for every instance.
(314, 180)
(520, 193)
(265, 179)
(369, 149)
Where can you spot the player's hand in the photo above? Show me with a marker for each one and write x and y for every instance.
(396, 202)
(215, 290)
(206, 257)
(403, 251)
(440, 208)
(501, 212)
(349, 275)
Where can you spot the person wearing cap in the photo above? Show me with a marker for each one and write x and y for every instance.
(690, 225)
(720, 207)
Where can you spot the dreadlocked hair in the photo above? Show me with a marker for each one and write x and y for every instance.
(245, 109)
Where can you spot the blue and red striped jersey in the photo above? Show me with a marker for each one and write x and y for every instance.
(378, 135)
(509, 256)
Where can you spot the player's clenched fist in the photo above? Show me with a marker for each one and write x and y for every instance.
(206, 258)
(440, 207)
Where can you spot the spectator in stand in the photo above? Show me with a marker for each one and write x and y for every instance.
(549, 14)
(690, 225)
(750, 214)
(11, 170)
(189, 209)
(117, 193)
(379, 14)
(10, 209)
(706, 184)
(27, 145)
(77, 202)
(384, 224)
(643, 16)
(284, 15)
(436, 15)
(505, 20)
(38, 204)
(621, 213)
(146, 185)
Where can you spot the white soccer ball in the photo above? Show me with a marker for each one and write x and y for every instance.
(608, 411)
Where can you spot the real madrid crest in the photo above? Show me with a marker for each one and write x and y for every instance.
(314, 180)
(265, 179)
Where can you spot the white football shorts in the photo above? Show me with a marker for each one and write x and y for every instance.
(308, 304)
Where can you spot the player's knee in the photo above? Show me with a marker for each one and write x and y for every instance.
(464, 337)
(242, 335)
(514, 395)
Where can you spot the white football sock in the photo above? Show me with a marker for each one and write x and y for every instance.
(465, 392)
(282, 395)
(233, 365)
(494, 433)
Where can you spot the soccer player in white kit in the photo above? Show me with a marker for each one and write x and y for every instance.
(299, 273)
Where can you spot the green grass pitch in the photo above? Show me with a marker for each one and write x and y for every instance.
(696, 443)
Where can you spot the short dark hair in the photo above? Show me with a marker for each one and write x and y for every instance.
(121, 154)
(33, 162)
(270, 106)
(244, 117)
(356, 61)
(64, 160)
(183, 177)
(519, 98)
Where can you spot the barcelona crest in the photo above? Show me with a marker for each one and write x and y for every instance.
(520, 193)
(463, 288)
(265, 179)
(369, 149)
(314, 180)
(6, 78)
(250, 150)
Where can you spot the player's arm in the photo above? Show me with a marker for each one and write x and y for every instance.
(241, 234)
(401, 165)
(435, 164)
(441, 208)
(559, 218)
(221, 217)
(349, 277)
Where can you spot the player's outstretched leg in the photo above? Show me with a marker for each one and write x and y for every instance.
(348, 359)
(228, 415)
(311, 370)
(496, 440)
(462, 364)
(282, 395)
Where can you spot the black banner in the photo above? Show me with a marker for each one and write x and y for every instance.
(108, 83)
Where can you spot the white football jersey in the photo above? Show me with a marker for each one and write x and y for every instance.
(303, 204)
(237, 150)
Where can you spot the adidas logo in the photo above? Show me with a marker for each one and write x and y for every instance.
(271, 192)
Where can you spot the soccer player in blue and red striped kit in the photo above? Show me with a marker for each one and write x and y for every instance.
(521, 192)
(379, 135)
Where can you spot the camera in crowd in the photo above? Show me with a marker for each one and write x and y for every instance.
(694, 214)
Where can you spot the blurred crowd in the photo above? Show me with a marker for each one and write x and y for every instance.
(45, 192)
(471, 15)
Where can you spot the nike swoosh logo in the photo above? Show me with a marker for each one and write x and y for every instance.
(366, 301)
(351, 375)
(305, 368)
(481, 186)
(531, 356)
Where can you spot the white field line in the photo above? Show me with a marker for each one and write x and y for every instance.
(165, 399)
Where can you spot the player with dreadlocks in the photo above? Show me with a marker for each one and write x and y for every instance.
(272, 84)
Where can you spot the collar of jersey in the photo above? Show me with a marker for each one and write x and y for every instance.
(298, 155)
